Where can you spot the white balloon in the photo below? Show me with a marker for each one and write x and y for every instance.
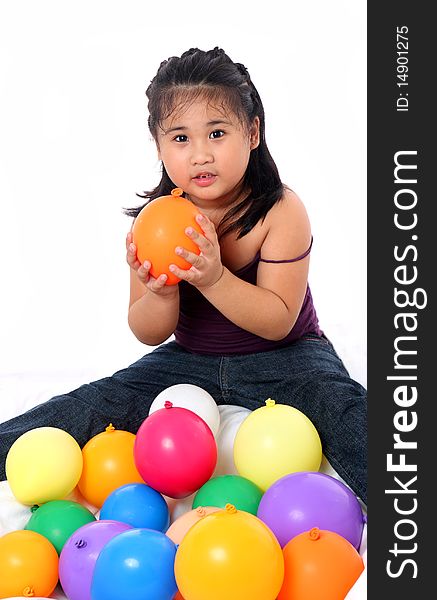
(191, 397)
(179, 506)
(231, 417)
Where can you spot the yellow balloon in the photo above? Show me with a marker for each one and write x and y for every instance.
(229, 554)
(273, 441)
(43, 464)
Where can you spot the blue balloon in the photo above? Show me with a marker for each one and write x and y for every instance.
(137, 504)
(135, 565)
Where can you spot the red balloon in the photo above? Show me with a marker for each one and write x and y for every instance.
(160, 227)
(175, 451)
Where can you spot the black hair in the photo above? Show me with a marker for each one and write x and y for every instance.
(213, 76)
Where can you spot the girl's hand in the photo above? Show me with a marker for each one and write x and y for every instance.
(207, 267)
(143, 271)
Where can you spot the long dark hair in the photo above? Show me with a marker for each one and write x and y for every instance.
(213, 76)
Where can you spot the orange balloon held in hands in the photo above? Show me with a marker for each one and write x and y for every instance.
(108, 463)
(160, 227)
(319, 565)
(28, 565)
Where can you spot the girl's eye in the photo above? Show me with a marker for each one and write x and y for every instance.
(181, 138)
(218, 133)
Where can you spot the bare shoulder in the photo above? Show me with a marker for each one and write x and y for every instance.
(291, 209)
(288, 228)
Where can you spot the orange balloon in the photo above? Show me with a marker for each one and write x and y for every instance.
(108, 463)
(28, 565)
(319, 565)
(160, 227)
(178, 596)
(181, 525)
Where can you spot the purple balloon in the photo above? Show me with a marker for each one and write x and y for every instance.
(303, 500)
(79, 555)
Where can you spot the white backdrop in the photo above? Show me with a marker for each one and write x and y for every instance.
(74, 149)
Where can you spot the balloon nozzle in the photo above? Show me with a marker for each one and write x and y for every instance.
(314, 534)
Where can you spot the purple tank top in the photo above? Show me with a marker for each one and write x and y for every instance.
(203, 329)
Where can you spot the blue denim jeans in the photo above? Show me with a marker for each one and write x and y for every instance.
(308, 374)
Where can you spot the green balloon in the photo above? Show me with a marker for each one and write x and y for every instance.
(229, 489)
(58, 519)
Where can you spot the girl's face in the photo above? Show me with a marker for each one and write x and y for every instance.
(205, 152)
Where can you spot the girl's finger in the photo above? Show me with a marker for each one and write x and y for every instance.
(158, 283)
(207, 226)
(191, 257)
(200, 240)
(131, 257)
(132, 261)
(184, 274)
(143, 270)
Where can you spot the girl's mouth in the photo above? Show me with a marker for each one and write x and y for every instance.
(204, 179)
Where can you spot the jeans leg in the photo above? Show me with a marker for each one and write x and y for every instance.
(310, 376)
(123, 399)
(307, 375)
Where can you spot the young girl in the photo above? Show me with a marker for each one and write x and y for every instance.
(243, 317)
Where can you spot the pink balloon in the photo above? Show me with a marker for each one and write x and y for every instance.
(79, 555)
(175, 451)
(178, 529)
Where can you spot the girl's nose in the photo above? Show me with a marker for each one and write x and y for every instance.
(201, 155)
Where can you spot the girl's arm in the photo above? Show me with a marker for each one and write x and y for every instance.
(269, 308)
(153, 306)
